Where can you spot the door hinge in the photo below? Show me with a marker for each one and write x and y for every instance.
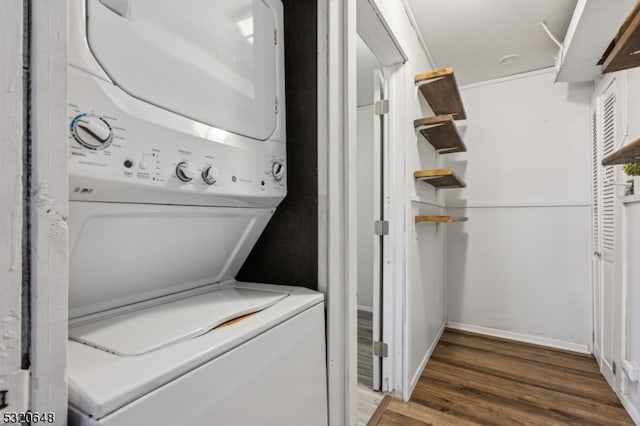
(275, 37)
(381, 107)
(613, 367)
(276, 105)
(381, 227)
(380, 349)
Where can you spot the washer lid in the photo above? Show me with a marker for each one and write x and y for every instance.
(101, 382)
(150, 329)
(213, 61)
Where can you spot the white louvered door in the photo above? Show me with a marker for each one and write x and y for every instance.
(596, 237)
(604, 237)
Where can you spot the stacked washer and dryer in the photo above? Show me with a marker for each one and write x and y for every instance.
(177, 163)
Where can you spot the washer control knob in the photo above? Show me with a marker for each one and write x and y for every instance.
(277, 171)
(210, 175)
(92, 132)
(186, 171)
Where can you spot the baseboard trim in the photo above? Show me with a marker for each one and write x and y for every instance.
(631, 409)
(521, 337)
(423, 364)
(365, 308)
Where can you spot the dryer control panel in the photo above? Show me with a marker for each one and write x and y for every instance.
(134, 152)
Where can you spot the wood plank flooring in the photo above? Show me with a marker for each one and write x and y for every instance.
(473, 379)
(365, 353)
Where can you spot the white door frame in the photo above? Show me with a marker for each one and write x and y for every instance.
(380, 139)
(49, 209)
(376, 33)
(337, 184)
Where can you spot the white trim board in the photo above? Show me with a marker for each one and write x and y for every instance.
(394, 288)
(417, 199)
(423, 364)
(49, 209)
(518, 204)
(521, 337)
(631, 409)
(508, 78)
(332, 139)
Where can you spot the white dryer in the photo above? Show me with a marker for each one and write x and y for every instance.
(177, 163)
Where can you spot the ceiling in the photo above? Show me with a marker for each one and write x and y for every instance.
(473, 35)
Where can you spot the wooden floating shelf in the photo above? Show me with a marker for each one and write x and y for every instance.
(626, 46)
(440, 219)
(627, 154)
(441, 132)
(440, 178)
(440, 90)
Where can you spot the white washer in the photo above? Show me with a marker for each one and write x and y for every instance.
(177, 163)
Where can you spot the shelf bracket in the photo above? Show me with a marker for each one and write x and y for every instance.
(550, 34)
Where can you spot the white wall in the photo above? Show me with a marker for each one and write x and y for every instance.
(42, 388)
(633, 77)
(631, 390)
(417, 258)
(521, 266)
(12, 378)
(365, 206)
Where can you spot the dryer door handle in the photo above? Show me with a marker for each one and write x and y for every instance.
(121, 7)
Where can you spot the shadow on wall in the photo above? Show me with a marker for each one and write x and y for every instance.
(580, 93)
(456, 197)
(429, 270)
(456, 254)
(456, 259)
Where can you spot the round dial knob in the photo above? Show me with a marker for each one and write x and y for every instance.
(92, 132)
(210, 175)
(186, 171)
(277, 170)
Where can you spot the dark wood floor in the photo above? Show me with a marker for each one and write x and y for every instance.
(478, 380)
(365, 353)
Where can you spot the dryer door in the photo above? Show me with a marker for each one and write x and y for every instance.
(213, 61)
